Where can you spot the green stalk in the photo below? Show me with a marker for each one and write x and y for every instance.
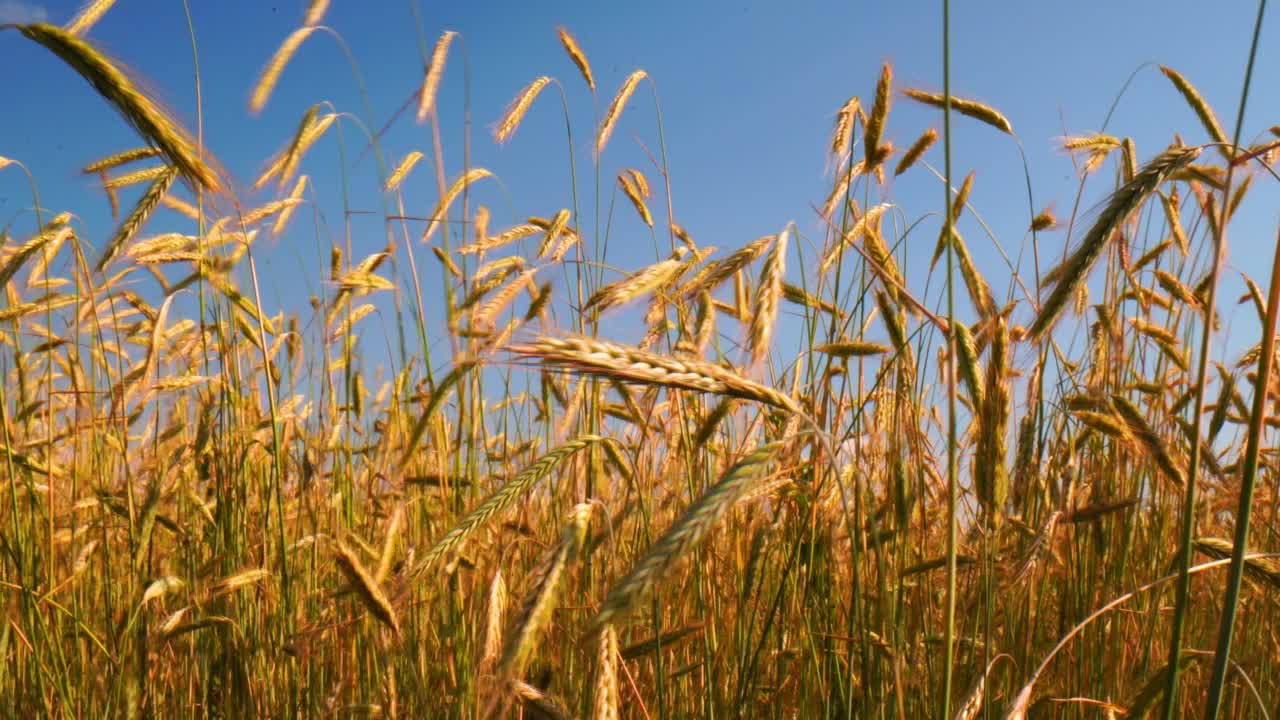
(1188, 507)
(953, 489)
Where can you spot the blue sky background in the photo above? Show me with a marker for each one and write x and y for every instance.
(748, 94)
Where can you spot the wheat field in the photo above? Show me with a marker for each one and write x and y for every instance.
(796, 477)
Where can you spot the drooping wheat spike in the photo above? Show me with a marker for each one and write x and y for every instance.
(139, 215)
(979, 290)
(88, 16)
(605, 700)
(293, 154)
(990, 474)
(121, 158)
(137, 109)
(969, 108)
(916, 151)
(442, 208)
(435, 71)
(1262, 569)
(1172, 216)
(402, 170)
(711, 276)
(1201, 108)
(842, 135)
(682, 537)
(48, 235)
(275, 66)
(967, 363)
(1044, 220)
(879, 113)
(578, 57)
(291, 203)
(315, 12)
(650, 278)
(1075, 269)
(135, 177)
(850, 349)
(541, 703)
(365, 586)
(615, 109)
(515, 113)
(308, 138)
(633, 194)
(544, 586)
(495, 620)
(503, 498)
(768, 295)
(1148, 439)
(858, 229)
(552, 231)
(487, 314)
(588, 355)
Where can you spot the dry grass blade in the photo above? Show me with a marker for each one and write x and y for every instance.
(435, 71)
(144, 115)
(578, 57)
(682, 537)
(615, 109)
(969, 108)
(624, 362)
(1073, 271)
(275, 66)
(516, 111)
(768, 297)
(503, 498)
(366, 587)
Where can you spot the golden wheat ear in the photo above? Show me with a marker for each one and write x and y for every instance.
(141, 112)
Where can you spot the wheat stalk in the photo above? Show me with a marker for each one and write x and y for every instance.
(879, 112)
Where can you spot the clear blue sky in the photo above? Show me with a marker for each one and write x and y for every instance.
(748, 94)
